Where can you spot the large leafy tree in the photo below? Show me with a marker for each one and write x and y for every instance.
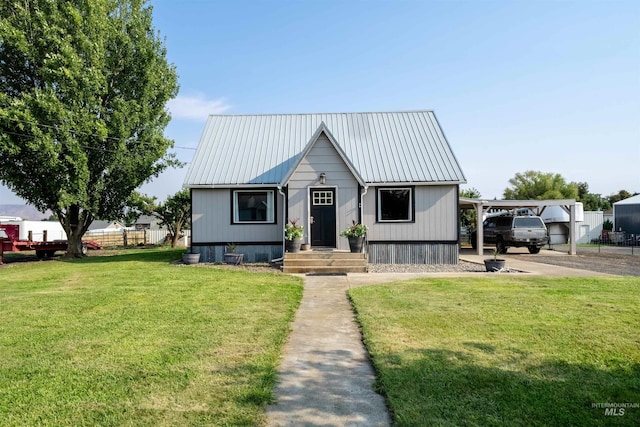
(174, 213)
(83, 88)
(533, 185)
(591, 201)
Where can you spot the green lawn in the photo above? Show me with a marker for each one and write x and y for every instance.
(130, 339)
(505, 351)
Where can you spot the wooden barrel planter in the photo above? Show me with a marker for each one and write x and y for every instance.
(190, 258)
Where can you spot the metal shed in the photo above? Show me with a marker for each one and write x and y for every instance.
(626, 215)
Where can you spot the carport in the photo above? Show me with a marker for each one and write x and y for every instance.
(482, 206)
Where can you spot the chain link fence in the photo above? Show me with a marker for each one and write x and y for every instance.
(623, 244)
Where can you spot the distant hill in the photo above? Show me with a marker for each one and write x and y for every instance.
(24, 211)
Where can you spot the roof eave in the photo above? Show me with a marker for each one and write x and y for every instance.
(237, 185)
(416, 183)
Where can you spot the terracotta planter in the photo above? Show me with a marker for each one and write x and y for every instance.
(191, 258)
(493, 265)
(293, 245)
(233, 258)
(356, 244)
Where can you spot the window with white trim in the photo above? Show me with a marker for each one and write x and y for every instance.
(253, 206)
(395, 204)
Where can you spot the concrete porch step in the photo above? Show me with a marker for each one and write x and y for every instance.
(332, 269)
(324, 262)
(324, 255)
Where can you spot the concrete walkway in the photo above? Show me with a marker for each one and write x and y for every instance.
(326, 378)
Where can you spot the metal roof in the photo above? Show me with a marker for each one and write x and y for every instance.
(382, 147)
(633, 200)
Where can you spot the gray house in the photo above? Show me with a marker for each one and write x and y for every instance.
(394, 172)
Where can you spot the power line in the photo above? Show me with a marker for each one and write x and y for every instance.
(80, 133)
(88, 147)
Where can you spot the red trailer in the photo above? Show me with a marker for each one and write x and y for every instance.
(11, 243)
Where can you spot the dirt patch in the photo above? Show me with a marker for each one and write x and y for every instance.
(622, 265)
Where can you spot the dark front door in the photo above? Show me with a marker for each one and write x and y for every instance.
(323, 217)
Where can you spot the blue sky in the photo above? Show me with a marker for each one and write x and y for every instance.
(551, 86)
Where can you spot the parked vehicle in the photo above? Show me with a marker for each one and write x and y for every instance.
(513, 230)
(12, 243)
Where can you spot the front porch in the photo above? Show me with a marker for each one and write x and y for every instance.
(324, 262)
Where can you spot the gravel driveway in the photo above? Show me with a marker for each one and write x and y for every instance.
(619, 264)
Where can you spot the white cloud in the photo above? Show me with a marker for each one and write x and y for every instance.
(195, 107)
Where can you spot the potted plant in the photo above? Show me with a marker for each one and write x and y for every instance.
(293, 235)
(494, 264)
(356, 234)
(230, 255)
(190, 257)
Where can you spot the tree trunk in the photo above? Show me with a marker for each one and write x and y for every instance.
(74, 248)
(75, 222)
(174, 240)
(175, 232)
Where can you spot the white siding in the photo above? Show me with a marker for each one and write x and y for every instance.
(435, 216)
(323, 157)
(211, 218)
(590, 228)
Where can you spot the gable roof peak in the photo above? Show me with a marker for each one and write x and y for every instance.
(322, 129)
